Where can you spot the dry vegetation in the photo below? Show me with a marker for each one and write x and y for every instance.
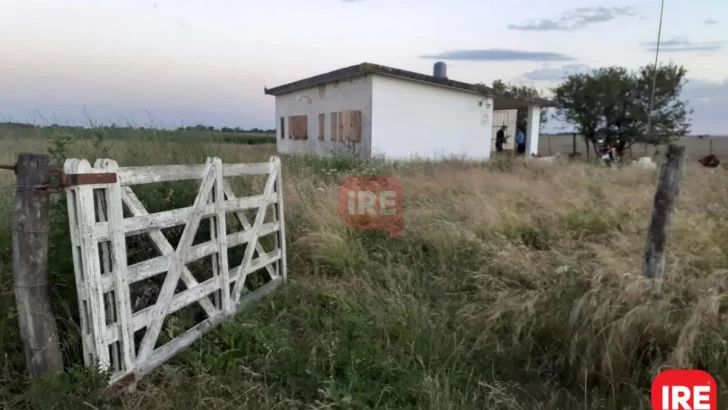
(695, 147)
(515, 285)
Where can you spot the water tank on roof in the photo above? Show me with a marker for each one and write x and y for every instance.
(440, 70)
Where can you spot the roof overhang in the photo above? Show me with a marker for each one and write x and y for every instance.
(500, 102)
(507, 103)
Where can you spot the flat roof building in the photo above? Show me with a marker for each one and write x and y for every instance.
(374, 110)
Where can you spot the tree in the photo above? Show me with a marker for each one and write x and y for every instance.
(670, 115)
(520, 92)
(577, 104)
(612, 104)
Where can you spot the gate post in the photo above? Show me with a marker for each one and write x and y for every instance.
(30, 266)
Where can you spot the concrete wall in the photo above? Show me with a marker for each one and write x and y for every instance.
(352, 94)
(413, 119)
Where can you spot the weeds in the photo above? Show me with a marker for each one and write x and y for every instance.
(514, 286)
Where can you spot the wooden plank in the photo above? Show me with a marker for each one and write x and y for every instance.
(216, 297)
(171, 348)
(179, 301)
(146, 222)
(89, 255)
(105, 253)
(165, 173)
(344, 118)
(668, 188)
(163, 246)
(122, 295)
(220, 265)
(280, 219)
(298, 127)
(334, 126)
(87, 345)
(321, 126)
(246, 225)
(264, 261)
(354, 131)
(240, 277)
(175, 268)
(237, 170)
(152, 267)
(185, 298)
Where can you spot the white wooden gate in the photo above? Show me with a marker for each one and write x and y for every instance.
(103, 275)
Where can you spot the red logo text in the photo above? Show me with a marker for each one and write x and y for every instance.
(684, 390)
(371, 202)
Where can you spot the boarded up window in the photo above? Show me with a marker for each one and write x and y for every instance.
(334, 126)
(298, 127)
(346, 127)
(322, 120)
(283, 127)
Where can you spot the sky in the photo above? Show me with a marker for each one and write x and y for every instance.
(167, 63)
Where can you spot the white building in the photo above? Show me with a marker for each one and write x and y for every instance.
(369, 109)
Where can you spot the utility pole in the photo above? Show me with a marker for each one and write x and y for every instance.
(654, 74)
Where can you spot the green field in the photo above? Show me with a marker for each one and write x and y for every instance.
(14, 131)
(515, 285)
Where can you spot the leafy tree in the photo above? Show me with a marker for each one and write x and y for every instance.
(577, 104)
(670, 115)
(612, 103)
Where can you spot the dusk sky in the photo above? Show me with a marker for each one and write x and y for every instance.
(172, 62)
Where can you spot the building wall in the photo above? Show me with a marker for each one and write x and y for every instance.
(413, 119)
(347, 95)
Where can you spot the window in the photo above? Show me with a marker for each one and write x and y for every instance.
(334, 125)
(283, 127)
(322, 120)
(298, 127)
(346, 126)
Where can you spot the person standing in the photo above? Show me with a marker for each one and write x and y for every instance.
(520, 142)
(500, 139)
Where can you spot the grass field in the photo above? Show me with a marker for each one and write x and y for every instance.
(16, 132)
(515, 285)
(695, 147)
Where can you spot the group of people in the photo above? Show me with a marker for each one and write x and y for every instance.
(500, 140)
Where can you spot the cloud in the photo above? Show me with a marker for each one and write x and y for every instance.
(554, 73)
(576, 19)
(498, 54)
(678, 44)
(710, 22)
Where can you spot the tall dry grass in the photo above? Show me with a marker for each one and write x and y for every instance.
(515, 285)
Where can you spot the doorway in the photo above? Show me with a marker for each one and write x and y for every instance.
(507, 118)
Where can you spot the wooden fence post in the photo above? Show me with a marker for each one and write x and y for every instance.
(668, 188)
(30, 266)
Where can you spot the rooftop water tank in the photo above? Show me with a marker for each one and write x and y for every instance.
(440, 70)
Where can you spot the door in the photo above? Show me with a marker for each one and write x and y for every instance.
(507, 118)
